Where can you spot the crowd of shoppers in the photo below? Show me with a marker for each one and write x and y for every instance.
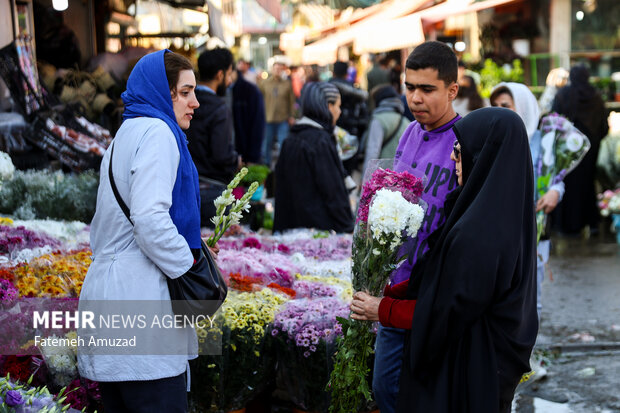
(456, 328)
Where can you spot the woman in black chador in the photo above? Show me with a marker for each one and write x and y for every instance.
(583, 106)
(310, 186)
(475, 323)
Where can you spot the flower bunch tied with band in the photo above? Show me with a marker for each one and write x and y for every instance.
(235, 207)
(390, 212)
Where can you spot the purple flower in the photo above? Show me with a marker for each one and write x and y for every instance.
(274, 332)
(8, 292)
(306, 354)
(13, 398)
(22, 238)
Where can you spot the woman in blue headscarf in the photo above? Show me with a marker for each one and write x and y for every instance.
(157, 180)
(310, 186)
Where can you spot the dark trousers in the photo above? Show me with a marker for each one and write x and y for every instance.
(149, 396)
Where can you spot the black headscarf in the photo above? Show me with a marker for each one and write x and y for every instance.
(475, 320)
(580, 102)
(315, 97)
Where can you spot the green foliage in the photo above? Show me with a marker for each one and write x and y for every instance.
(349, 383)
(54, 195)
(256, 173)
(491, 74)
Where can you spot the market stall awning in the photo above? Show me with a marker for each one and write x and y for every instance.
(397, 34)
(449, 8)
(272, 7)
(408, 31)
(325, 50)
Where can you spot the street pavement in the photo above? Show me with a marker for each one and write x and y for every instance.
(579, 337)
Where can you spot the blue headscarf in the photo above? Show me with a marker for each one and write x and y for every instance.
(148, 95)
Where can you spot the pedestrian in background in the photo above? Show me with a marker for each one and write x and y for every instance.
(279, 99)
(211, 133)
(468, 98)
(518, 98)
(379, 74)
(387, 125)
(583, 106)
(310, 178)
(248, 108)
(556, 79)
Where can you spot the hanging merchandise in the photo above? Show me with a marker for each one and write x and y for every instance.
(13, 58)
(55, 128)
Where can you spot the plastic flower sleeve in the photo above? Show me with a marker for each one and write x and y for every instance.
(563, 146)
(389, 212)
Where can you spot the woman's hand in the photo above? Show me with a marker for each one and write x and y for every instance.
(214, 250)
(365, 307)
(548, 201)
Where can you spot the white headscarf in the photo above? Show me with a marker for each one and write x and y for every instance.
(526, 105)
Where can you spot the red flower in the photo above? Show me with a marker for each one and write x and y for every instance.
(242, 282)
(251, 243)
(18, 367)
(288, 291)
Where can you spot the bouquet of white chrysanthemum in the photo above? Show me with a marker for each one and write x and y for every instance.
(391, 215)
(389, 212)
(237, 206)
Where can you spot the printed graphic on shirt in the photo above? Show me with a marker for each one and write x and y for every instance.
(440, 180)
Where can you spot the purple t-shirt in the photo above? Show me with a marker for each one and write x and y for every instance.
(426, 154)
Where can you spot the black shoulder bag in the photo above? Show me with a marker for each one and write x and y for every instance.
(201, 290)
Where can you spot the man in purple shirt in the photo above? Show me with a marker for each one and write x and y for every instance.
(424, 150)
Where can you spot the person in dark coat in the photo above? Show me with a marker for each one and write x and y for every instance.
(583, 106)
(471, 300)
(248, 108)
(210, 136)
(310, 188)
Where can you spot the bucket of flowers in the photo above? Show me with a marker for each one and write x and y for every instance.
(226, 377)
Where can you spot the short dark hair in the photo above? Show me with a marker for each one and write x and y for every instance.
(499, 91)
(435, 55)
(174, 64)
(340, 69)
(212, 61)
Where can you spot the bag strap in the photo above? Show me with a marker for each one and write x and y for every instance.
(386, 141)
(117, 195)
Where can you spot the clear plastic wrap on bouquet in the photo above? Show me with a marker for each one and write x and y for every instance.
(563, 146)
(388, 214)
(385, 245)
